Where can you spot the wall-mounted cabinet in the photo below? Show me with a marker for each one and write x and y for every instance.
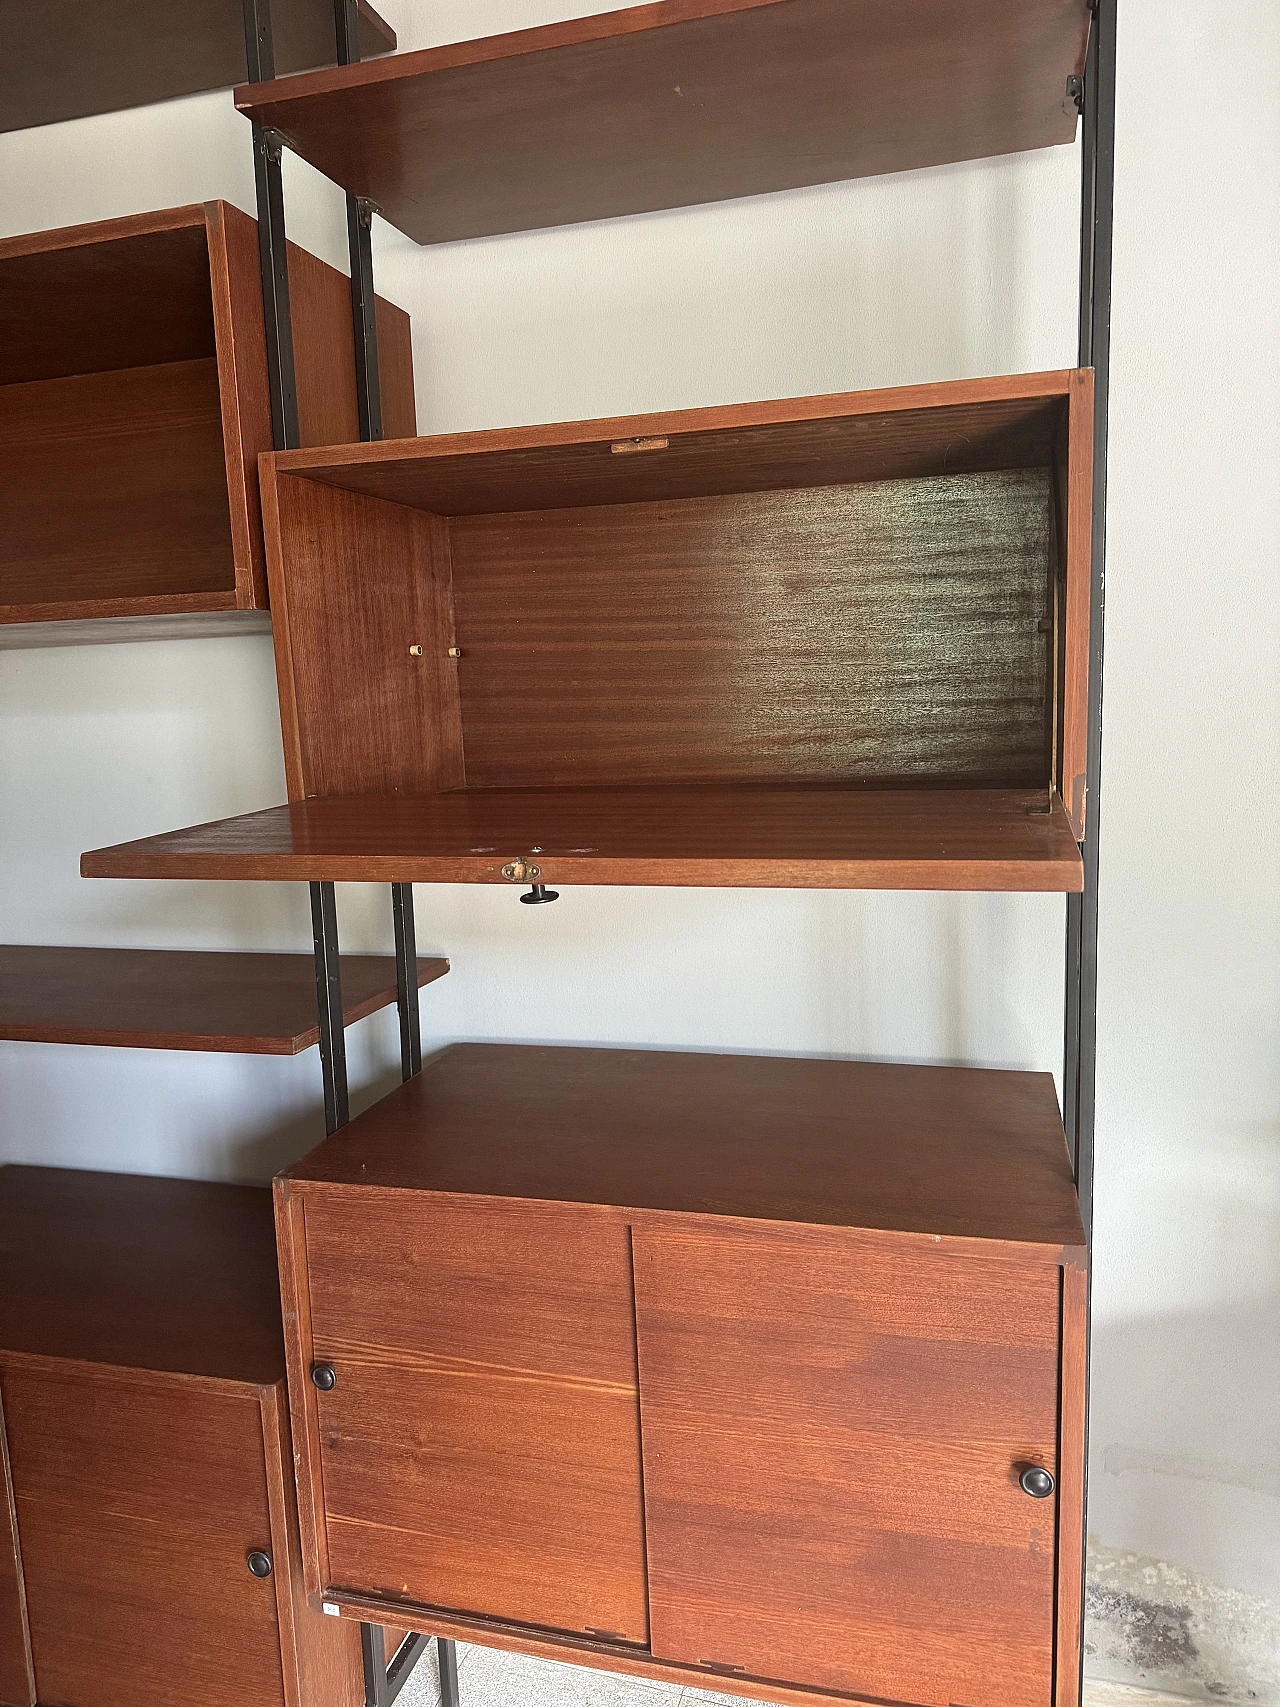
(753, 1373)
(148, 1532)
(134, 404)
(680, 102)
(831, 642)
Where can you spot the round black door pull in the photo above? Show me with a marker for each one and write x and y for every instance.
(1036, 1482)
(259, 1563)
(324, 1376)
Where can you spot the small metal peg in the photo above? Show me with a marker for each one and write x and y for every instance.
(539, 895)
(259, 1563)
(1036, 1482)
(324, 1376)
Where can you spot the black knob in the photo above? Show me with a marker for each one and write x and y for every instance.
(539, 895)
(324, 1376)
(259, 1563)
(1037, 1482)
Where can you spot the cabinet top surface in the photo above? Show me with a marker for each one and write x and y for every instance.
(142, 1273)
(680, 102)
(951, 1152)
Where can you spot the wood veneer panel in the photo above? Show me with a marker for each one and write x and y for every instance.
(816, 836)
(1072, 1443)
(481, 1447)
(1078, 596)
(889, 629)
(255, 1004)
(138, 1500)
(940, 1152)
(680, 102)
(832, 1451)
(115, 488)
(357, 707)
(903, 432)
(77, 57)
(17, 1681)
(156, 1274)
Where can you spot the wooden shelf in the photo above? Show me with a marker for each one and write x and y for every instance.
(98, 56)
(797, 837)
(680, 102)
(135, 998)
(944, 1152)
(134, 403)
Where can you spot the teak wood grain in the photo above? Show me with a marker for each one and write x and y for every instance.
(480, 1449)
(939, 1152)
(256, 1004)
(680, 102)
(137, 1504)
(881, 586)
(17, 1680)
(847, 1281)
(832, 1443)
(134, 406)
(804, 836)
(141, 1376)
(142, 1273)
(88, 56)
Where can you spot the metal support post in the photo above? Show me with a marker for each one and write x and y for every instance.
(333, 1039)
(407, 980)
(360, 212)
(447, 1653)
(272, 248)
(383, 1682)
(1080, 1061)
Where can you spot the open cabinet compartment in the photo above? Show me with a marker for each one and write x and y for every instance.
(882, 592)
(134, 403)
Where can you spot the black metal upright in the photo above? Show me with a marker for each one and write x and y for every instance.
(267, 149)
(360, 212)
(1097, 207)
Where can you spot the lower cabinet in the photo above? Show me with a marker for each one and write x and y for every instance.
(149, 1547)
(764, 1455)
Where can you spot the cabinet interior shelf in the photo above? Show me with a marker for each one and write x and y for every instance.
(242, 1004)
(101, 56)
(680, 102)
(788, 836)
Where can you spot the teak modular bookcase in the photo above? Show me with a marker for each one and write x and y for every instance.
(760, 1373)
(134, 402)
(147, 1507)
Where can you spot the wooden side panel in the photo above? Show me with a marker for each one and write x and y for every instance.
(114, 488)
(236, 278)
(320, 1655)
(17, 1680)
(1071, 1484)
(324, 357)
(139, 1499)
(356, 585)
(1079, 555)
(481, 1449)
(892, 629)
(831, 1453)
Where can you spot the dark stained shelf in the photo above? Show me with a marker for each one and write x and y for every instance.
(144, 1273)
(953, 1152)
(240, 1004)
(680, 102)
(76, 57)
(789, 836)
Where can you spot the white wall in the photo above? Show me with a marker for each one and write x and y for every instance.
(963, 271)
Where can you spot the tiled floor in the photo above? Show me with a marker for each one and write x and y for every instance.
(488, 1678)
